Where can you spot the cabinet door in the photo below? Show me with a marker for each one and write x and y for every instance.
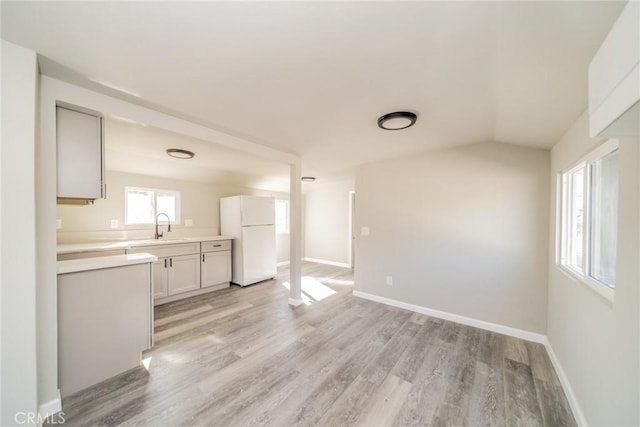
(184, 273)
(160, 275)
(216, 268)
(79, 154)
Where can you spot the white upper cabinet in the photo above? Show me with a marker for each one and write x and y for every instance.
(614, 79)
(80, 159)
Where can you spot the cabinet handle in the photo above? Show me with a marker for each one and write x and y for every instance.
(170, 262)
(202, 257)
(217, 246)
(165, 263)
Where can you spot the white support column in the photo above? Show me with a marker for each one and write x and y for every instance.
(295, 234)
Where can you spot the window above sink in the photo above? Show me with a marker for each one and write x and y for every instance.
(143, 204)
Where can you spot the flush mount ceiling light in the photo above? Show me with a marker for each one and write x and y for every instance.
(308, 178)
(396, 121)
(180, 154)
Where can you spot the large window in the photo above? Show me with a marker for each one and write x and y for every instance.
(282, 216)
(143, 204)
(589, 218)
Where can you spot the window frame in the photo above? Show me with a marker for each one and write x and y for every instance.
(563, 211)
(288, 217)
(156, 192)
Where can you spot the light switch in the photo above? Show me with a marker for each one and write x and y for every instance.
(58, 224)
(188, 223)
(115, 223)
(364, 231)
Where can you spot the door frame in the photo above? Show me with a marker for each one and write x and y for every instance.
(352, 236)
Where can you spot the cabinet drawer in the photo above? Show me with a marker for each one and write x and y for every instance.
(216, 245)
(162, 251)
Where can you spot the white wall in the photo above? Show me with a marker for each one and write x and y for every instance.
(199, 201)
(462, 231)
(598, 342)
(326, 227)
(18, 239)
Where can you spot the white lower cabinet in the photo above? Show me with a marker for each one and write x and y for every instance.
(183, 274)
(182, 269)
(105, 321)
(216, 268)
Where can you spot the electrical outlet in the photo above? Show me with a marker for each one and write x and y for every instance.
(389, 280)
(188, 223)
(58, 224)
(115, 223)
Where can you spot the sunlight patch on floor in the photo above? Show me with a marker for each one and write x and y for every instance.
(315, 289)
(312, 290)
(147, 362)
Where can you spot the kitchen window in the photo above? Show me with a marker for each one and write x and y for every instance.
(143, 204)
(589, 219)
(282, 216)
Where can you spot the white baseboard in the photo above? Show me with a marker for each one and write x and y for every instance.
(568, 390)
(282, 263)
(324, 261)
(493, 327)
(51, 407)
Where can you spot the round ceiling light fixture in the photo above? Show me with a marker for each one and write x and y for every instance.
(180, 154)
(397, 120)
(308, 178)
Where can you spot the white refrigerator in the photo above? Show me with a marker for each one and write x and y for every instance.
(250, 220)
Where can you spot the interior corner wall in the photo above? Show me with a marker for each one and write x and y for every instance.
(18, 225)
(326, 226)
(597, 342)
(461, 230)
(47, 286)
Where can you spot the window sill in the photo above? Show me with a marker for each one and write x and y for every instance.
(601, 290)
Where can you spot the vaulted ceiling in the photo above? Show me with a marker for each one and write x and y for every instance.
(311, 78)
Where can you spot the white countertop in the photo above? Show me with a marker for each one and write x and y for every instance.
(97, 263)
(126, 244)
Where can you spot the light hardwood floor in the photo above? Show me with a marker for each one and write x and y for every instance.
(243, 357)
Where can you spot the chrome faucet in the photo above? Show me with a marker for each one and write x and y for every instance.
(160, 233)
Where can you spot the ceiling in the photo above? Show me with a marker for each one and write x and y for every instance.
(311, 78)
(136, 148)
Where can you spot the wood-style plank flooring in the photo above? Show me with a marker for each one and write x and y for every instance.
(243, 357)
